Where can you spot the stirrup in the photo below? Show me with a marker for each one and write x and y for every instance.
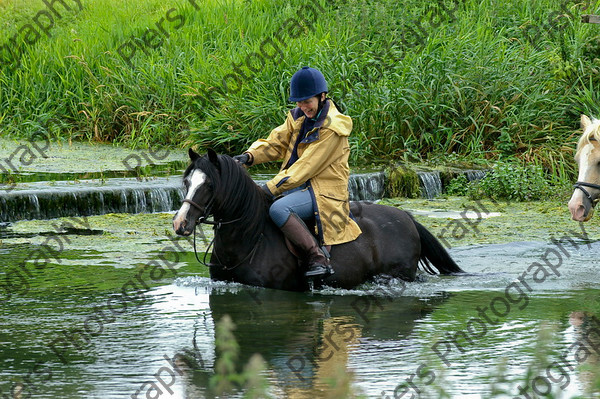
(318, 270)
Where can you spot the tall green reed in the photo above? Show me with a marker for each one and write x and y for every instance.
(419, 79)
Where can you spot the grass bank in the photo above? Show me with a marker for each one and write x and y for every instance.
(479, 78)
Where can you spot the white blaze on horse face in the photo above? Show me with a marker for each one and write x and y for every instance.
(195, 180)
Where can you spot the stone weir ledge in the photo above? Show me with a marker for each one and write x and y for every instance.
(47, 200)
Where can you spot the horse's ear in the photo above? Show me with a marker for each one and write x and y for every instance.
(213, 158)
(585, 121)
(193, 155)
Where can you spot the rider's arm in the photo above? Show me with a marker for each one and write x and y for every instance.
(316, 157)
(274, 147)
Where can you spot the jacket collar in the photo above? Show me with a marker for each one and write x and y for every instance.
(298, 113)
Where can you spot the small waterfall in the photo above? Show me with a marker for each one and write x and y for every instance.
(474, 174)
(125, 195)
(89, 198)
(138, 200)
(366, 186)
(161, 200)
(63, 199)
(431, 184)
(34, 206)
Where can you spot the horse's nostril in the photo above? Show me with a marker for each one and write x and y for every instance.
(178, 224)
(578, 213)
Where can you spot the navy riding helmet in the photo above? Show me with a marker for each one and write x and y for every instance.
(306, 83)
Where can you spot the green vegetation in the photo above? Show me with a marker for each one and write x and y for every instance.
(483, 79)
(226, 377)
(227, 380)
(402, 182)
(253, 381)
(506, 181)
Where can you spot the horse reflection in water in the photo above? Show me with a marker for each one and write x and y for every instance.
(587, 189)
(308, 341)
(584, 350)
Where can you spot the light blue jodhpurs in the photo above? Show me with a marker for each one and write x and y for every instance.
(297, 200)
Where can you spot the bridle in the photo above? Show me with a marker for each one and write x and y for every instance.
(205, 211)
(217, 224)
(581, 186)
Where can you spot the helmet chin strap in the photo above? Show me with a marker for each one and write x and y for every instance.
(321, 104)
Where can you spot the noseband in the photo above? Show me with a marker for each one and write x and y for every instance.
(581, 184)
(205, 211)
(217, 225)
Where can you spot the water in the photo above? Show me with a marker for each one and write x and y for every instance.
(475, 174)
(366, 186)
(44, 200)
(431, 184)
(59, 199)
(381, 332)
(65, 331)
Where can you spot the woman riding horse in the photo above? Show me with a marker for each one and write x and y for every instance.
(313, 179)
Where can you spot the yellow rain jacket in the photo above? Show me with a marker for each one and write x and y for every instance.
(322, 163)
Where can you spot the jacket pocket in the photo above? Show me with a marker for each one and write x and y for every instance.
(334, 197)
(336, 193)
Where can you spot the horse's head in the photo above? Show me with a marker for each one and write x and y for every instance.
(199, 182)
(587, 188)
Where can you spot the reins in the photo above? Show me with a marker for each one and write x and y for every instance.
(217, 224)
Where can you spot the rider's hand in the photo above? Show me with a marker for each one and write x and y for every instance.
(244, 159)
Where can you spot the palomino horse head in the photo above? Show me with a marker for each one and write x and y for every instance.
(198, 202)
(587, 188)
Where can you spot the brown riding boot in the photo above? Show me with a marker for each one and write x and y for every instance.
(296, 231)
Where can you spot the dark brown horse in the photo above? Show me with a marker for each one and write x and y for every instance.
(250, 249)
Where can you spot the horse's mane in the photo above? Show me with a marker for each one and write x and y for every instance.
(591, 132)
(236, 195)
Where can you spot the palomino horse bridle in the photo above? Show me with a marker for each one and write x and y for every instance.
(581, 185)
